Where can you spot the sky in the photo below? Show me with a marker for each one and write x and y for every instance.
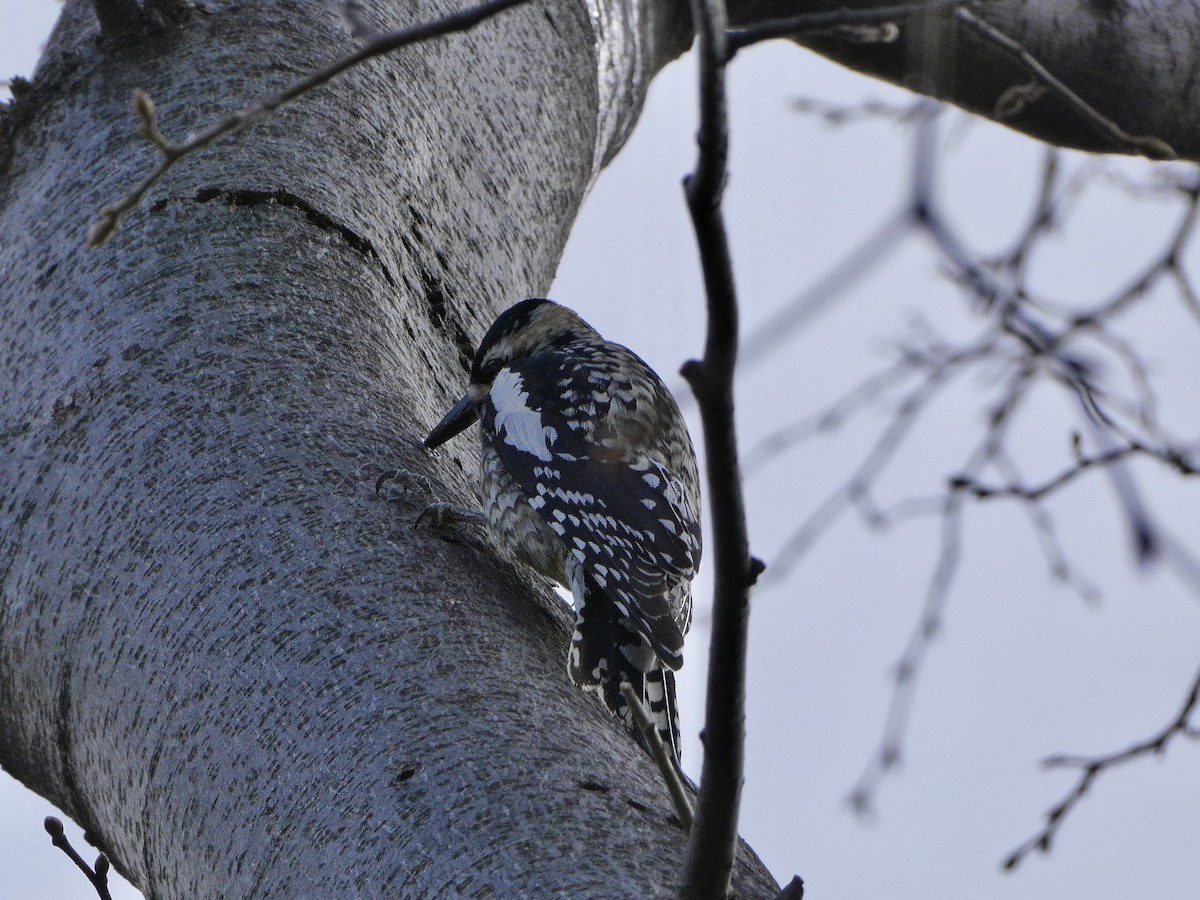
(1023, 666)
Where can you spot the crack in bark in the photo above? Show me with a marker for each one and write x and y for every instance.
(286, 199)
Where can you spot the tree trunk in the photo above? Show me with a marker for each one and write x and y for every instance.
(242, 671)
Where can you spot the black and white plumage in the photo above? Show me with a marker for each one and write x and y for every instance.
(588, 473)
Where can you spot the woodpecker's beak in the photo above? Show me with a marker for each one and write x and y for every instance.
(460, 417)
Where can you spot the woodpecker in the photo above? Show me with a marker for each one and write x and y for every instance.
(588, 474)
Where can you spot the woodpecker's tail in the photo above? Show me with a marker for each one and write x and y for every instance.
(606, 651)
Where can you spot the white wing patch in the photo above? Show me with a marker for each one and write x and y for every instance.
(521, 426)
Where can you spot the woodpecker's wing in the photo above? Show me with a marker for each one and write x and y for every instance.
(606, 462)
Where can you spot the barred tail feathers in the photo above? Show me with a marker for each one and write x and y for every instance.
(606, 651)
(660, 684)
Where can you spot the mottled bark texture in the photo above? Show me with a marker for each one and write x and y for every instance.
(1134, 61)
(220, 652)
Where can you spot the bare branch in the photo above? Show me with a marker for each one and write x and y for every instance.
(713, 840)
(1174, 458)
(889, 751)
(98, 876)
(835, 114)
(1031, 343)
(1039, 346)
(874, 462)
(888, 754)
(1042, 218)
(1092, 767)
(1043, 526)
(868, 391)
(1168, 260)
(773, 333)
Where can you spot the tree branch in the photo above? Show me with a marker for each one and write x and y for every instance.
(1032, 342)
(937, 594)
(98, 875)
(1120, 68)
(1174, 458)
(110, 216)
(1093, 767)
(1148, 146)
(808, 23)
(713, 840)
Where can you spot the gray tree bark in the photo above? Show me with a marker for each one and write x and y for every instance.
(220, 652)
(1133, 61)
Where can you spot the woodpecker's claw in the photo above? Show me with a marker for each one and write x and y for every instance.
(412, 486)
(442, 517)
(396, 475)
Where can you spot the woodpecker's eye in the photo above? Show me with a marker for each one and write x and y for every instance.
(487, 373)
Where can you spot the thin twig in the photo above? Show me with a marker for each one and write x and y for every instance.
(1025, 492)
(870, 390)
(662, 756)
(98, 876)
(1039, 345)
(1092, 767)
(875, 250)
(1043, 524)
(1148, 146)
(1043, 217)
(838, 114)
(1176, 459)
(712, 843)
(877, 458)
(1168, 260)
(110, 216)
(887, 754)
(1031, 342)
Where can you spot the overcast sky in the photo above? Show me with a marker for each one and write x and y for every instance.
(1024, 667)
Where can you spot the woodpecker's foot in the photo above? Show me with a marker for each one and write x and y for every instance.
(449, 521)
(401, 484)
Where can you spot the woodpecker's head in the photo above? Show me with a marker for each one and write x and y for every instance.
(529, 327)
